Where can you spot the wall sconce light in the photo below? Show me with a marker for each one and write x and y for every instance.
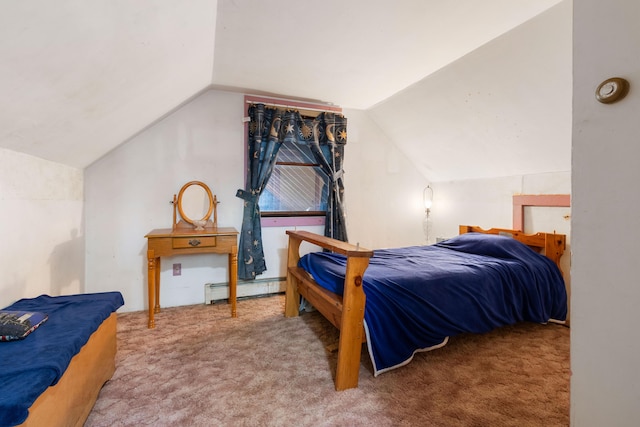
(427, 198)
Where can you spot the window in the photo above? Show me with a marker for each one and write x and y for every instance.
(297, 186)
(298, 189)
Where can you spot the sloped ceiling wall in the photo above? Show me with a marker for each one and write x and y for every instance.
(502, 110)
(353, 53)
(79, 78)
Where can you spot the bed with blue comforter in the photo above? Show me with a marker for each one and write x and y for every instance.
(417, 297)
(33, 364)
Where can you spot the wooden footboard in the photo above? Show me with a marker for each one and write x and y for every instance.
(69, 402)
(346, 312)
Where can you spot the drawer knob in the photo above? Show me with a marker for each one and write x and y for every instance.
(194, 242)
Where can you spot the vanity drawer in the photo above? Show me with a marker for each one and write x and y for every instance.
(194, 242)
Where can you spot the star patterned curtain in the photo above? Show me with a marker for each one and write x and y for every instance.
(327, 146)
(268, 129)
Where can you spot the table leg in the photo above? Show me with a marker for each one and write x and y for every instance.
(156, 308)
(233, 280)
(151, 286)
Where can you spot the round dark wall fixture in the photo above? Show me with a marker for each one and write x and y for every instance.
(612, 90)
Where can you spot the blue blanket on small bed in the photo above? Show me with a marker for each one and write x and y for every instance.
(31, 365)
(419, 296)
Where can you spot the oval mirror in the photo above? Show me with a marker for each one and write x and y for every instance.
(195, 202)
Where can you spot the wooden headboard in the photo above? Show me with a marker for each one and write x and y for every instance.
(551, 245)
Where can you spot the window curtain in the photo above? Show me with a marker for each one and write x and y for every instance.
(268, 129)
(327, 146)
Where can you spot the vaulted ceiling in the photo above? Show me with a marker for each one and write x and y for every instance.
(78, 78)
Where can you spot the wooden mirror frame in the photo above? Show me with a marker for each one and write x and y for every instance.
(178, 203)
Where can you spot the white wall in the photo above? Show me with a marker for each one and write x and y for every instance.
(42, 250)
(606, 224)
(127, 194)
(383, 189)
(488, 202)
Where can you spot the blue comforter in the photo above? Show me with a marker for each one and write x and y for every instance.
(419, 296)
(31, 365)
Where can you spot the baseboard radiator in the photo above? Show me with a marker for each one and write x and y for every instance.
(214, 292)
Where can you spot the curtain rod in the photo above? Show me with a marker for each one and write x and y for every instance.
(296, 107)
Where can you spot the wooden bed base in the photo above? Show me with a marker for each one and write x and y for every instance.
(347, 312)
(69, 402)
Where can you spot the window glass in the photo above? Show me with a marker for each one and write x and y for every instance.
(297, 186)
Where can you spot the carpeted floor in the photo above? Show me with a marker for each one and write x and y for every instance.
(200, 367)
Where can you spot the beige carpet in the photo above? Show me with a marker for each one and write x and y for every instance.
(199, 367)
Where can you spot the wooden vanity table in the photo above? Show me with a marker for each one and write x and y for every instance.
(190, 237)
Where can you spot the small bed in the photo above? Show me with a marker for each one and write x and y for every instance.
(475, 282)
(53, 376)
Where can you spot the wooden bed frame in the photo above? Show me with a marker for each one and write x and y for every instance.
(69, 402)
(346, 312)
